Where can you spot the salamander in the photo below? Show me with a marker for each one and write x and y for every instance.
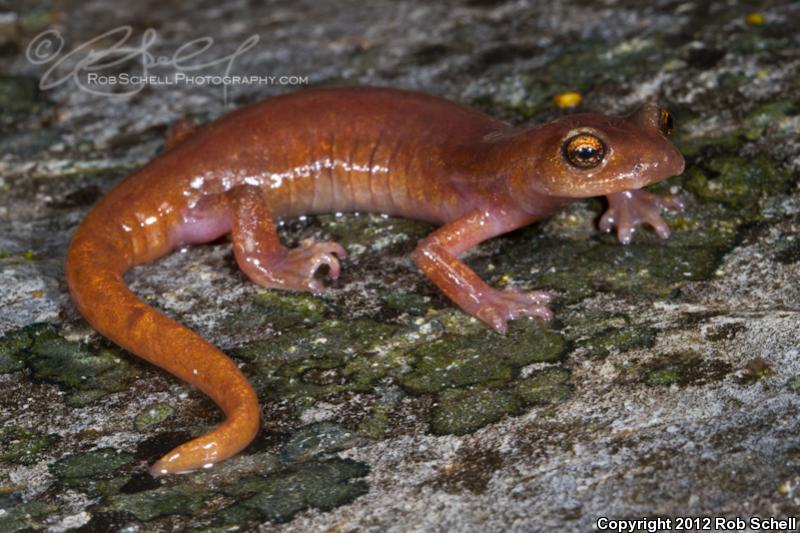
(395, 152)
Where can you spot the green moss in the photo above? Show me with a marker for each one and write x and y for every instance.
(374, 231)
(391, 359)
(151, 504)
(333, 357)
(239, 514)
(619, 340)
(405, 302)
(794, 384)
(17, 93)
(461, 411)
(691, 146)
(27, 255)
(684, 368)
(740, 183)
(14, 344)
(84, 374)
(23, 446)
(331, 338)
(10, 357)
(96, 473)
(755, 370)
(663, 375)
(316, 439)
(152, 416)
(758, 120)
(378, 423)
(79, 398)
(438, 367)
(544, 387)
(484, 357)
(714, 226)
(729, 141)
(313, 362)
(91, 464)
(96, 487)
(581, 268)
(321, 485)
(28, 517)
(280, 309)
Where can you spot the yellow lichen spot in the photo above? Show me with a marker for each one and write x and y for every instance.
(504, 279)
(755, 19)
(784, 488)
(37, 294)
(567, 100)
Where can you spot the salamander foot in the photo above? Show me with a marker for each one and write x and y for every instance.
(630, 209)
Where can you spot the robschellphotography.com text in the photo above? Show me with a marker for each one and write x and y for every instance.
(703, 523)
(89, 64)
(181, 78)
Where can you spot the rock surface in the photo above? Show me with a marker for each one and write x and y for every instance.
(669, 384)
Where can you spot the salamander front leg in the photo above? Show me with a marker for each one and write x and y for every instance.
(629, 209)
(437, 256)
(263, 258)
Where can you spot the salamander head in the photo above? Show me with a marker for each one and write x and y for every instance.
(593, 155)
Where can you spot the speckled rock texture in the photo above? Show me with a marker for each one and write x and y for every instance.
(669, 384)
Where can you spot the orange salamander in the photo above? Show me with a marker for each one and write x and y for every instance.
(391, 151)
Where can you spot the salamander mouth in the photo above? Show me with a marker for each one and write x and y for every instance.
(644, 174)
(592, 186)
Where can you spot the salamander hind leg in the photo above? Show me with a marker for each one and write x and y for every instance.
(293, 269)
(263, 258)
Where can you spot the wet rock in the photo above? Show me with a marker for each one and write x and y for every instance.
(738, 182)
(151, 504)
(316, 439)
(25, 517)
(17, 93)
(461, 411)
(312, 363)
(666, 385)
(153, 415)
(95, 472)
(23, 446)
(456, 361)
(84, 374)
(544, 387)
(277, 498)
(685, 368)
(614, 341)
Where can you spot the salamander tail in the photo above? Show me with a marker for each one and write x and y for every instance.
(95, 268)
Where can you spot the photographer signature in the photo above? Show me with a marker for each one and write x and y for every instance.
(91, 57)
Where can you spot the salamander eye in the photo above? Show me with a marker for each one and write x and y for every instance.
(665, 123)
(584, 150)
